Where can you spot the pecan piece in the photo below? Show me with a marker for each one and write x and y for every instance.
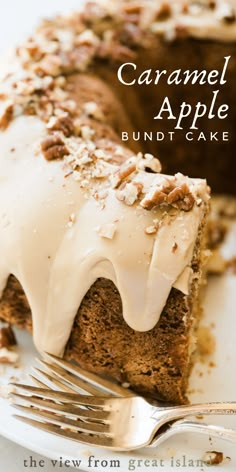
(53, 147)
(212, 4)
(132, 8)
(62, 123)
(6, 115)
(153, 198)
(7, 337)
(181, 198)
(129, 192)
(7, 356)
(213, 457)
(125, 170)
(152, 229)
(164, 12)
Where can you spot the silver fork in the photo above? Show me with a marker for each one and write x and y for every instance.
(115, 423)
(67, 376)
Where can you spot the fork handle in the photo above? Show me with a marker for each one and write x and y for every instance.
(176, 412)
(187, 426)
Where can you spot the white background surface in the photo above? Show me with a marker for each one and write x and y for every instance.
(17, 20)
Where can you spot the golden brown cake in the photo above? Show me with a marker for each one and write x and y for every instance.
(102, 254)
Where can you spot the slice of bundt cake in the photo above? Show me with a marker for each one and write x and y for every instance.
(101, 254)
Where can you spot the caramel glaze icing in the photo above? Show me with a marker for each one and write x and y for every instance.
(75, 204)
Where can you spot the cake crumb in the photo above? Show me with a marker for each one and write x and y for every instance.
(125, 384)
(174, 247)
(151, 229)
(8, 357)
(213, 457)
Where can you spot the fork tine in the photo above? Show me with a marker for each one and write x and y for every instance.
(65, 397)
(38, 382)
(97, 381)
(78, 384)
(60, 420)
(50, 381)
(91, 440)
(71, 410)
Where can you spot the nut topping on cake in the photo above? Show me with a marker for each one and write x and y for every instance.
(125, 171)
(53, 147)
(164, 12)
(6, 115)
(129, 192)
(181, 198)
(152, 229)
(62, 123)
(169, 193)
(153, 198)
(149, 162)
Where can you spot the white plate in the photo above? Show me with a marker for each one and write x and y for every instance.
(213, 383)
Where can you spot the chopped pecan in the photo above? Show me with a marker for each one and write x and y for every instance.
(157, 195)
(132, 8)
(62, 123)
(49, 65)
(125, 171)
(149, 162)
(131, 16)
(181, 198)
(7, 337)
(87, 38)
(7, 356)
(68, 106)
(213, 457)
(164, 12)
(153, 198)
(53, 147)
(129, 192)
(93, 13)
(33, 50)
(6, 115)
(152, 229)
(212, 4)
